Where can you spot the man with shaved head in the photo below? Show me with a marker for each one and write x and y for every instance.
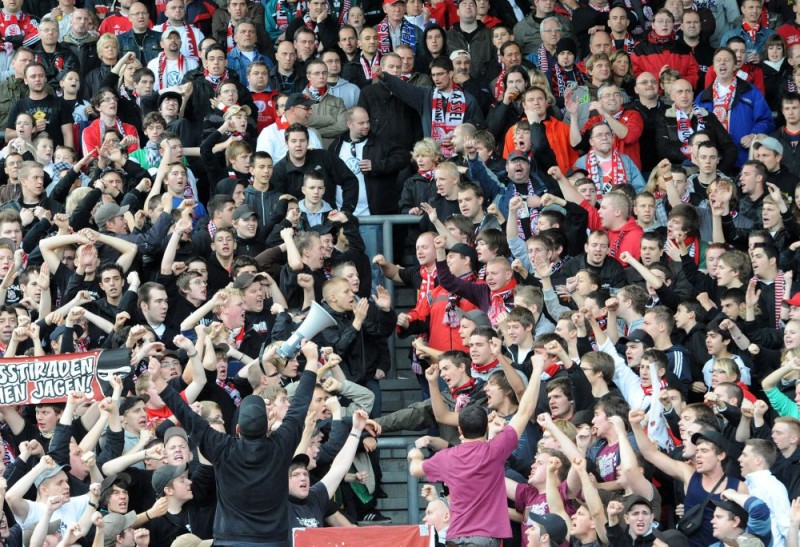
(680, 122)
(651, 107)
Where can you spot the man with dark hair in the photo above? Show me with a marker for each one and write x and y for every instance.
(442, 108)
(471, 35)
(786, 135)
(478, 465)
(289, 172)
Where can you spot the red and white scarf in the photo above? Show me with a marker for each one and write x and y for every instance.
(560, 79)
(117, 124)
(368, 66)
(462, 394)
(779, 285)
(483, 369)
(282, 17)
(216, 81)
(428, 283)
(447, 114)
(408, 35)
(162, 68)
(722, 105)
(498, 304)
(311, 24)
(602, 182)
(544, 60)
(500, 84)
(661, 40)
(229, 43)
(751, 31)
(628, 43)
(191, 39)
(314, 93)
(685, 130)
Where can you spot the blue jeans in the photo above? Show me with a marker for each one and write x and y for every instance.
(372, 234)
(375, 387)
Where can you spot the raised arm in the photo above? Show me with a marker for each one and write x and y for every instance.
(527, 404)
(443, 415)
(341, 464)
(673, 468)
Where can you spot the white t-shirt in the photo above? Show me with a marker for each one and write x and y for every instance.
(173, 74)
(69, 513)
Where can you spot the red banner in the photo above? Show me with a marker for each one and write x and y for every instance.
(388, 536)
(51, 378)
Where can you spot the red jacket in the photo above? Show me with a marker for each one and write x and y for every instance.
(627, 238)
(441, 336)
(630, 144)
(650, 57)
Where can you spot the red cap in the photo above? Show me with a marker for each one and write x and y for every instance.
(390, 2)
(793, 301)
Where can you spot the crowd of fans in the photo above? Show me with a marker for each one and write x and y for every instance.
(605, 331)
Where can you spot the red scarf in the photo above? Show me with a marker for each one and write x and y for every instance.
(463, 393)
(604, 184)
(661, 40)
(282, 123)
(750, 30)
(722, 105)
(229, 43)
(191, 39)
(384, 40)
(498, 298)
(551, 370)
(162, 67)
(627, 43)
(429, 282)
(500, 84)
(483, 369)
(648, 390)
(427, 175)
(780, 286)
(314, 93)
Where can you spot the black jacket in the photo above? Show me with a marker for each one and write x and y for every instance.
(383, 191)
(246, 510)
(669, 146)
(611, 272)
(390, 117)
(287, 178)
(358, 348)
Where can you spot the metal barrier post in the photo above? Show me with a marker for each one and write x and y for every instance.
(412, 483)
(387, 222)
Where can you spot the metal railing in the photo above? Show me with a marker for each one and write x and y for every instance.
(387, 222)
(412, 482)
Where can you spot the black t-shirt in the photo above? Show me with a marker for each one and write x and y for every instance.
(310, 512)
(52, 109)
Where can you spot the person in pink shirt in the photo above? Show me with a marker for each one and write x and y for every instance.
(477, 465)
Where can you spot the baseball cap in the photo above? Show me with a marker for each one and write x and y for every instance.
(771, 143)
(253, 417)
(476, 316)
(245, 279)
(107, 212)
(298, 99)
(467, 251)
(244, 211)
(637, 500)
(170, 95)
(554, 525)
(735, 509)
(714, 437)
(191, 540)
(115, 524)
(637, 335)
(322, 229)
(27, 532)
(127, 403)
(301, 459)
(176, 432)
(517, 155)
(166, 473)
(235, 109)
(123, 480)
(554, 207)
(455, 55)
(390, 2)
(673, 538)
(49, 474)
(794, 300)
(170, 30)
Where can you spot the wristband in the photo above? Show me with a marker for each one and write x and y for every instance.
(192, 355)
(92, 504)
(148, 516)
(354, 434)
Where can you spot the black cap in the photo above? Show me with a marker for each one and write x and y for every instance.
(323, 229)
(638, 335)
(637, 500)
(567, 44)
(170, 95)
(244, 211)
(123, 480)
(554, 525)
(298, 99)
(245, 279)
(476, 316)
(582, 417)
(714, 437)
(127, 403)
(467, 251)
(673, 538)
(164, 474)
(735, 509)
(302, 460)
(253, 417)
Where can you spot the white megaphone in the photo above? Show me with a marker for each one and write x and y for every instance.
(316, 321)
